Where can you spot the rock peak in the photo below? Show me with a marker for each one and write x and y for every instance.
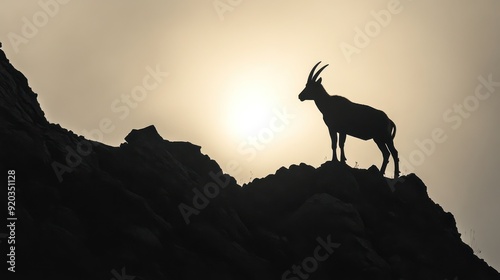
(148, 134)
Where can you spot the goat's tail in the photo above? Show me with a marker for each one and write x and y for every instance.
(393, 129)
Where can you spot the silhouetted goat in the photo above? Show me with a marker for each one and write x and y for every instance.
(345, 117)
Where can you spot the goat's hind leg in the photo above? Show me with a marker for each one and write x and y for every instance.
(385, 154)
(394, 154)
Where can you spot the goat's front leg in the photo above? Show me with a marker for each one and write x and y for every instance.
(333, 136)
(341, 144)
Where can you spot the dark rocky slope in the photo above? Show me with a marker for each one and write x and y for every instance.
(90, 211)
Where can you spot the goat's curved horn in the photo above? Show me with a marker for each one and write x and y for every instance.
(312, 72)
(319, 72)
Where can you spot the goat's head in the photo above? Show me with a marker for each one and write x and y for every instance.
(313, 88)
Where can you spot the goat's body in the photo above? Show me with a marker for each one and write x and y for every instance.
(358, 120)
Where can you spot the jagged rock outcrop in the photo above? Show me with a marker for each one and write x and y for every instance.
(156, 209)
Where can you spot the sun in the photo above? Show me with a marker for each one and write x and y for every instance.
(250, 108)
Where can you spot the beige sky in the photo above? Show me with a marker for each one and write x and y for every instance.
(226, 75)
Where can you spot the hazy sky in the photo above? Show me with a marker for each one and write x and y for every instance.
(226, 75)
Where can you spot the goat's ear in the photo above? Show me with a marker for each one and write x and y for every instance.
(319, 80)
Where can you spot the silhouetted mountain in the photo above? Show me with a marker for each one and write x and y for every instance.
(156, 209)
